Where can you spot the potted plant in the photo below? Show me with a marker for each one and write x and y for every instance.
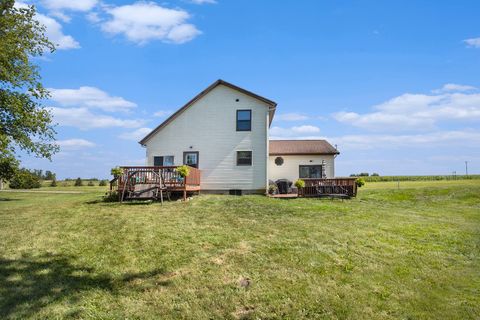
(272, 188)
(116, 172)
(300, 184)
(183, 171)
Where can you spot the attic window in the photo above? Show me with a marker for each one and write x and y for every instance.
(278, 161)
(244, 120)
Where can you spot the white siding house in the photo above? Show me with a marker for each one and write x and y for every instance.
(207, 125)
(223, 131)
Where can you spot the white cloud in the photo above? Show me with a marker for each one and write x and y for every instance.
(203, 1)
(142, 22)
(427, 140)
(74, 144)
(54, 31)
(162, 113)
(417, 111)
(90, 97)
(73, 5)
(291, 117)
(293, 131)
(136, 135)
(449, 87)
(83, 119)
(473, 42)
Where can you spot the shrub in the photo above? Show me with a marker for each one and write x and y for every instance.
(110, 197)
(90, 183)
(117, 171)
(53, 183)
(272, 188)
(102, 183)
(183, 171)
(300, 184)
(78, 182)
(25, 179)
(360, 182)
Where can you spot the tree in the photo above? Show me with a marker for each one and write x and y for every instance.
(25, 123)
(25, 179)
(78, 182)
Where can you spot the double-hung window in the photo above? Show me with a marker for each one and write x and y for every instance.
(244, 120)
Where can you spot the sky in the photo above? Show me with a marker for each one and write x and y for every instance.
(394, 84)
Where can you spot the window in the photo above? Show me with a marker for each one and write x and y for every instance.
(244, 120)
(163, 161)
(313, 172)
(278, 161)
(244, 158)
(190, 158)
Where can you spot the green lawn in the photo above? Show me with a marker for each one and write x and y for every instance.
(411, 253)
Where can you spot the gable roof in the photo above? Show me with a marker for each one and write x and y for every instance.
(203, 93)
(299, 147)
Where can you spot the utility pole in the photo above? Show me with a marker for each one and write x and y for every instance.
(466, 168)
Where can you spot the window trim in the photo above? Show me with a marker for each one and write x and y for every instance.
(244, 164)
(185, 158)
(309, 165)
(250, 121)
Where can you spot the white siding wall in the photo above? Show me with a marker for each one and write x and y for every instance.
(289, 170)
(209, 127)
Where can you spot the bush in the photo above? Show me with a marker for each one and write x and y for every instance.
(183, 171)
(360, 182)
(78, 182)
(300, 184)
(90, 183)
(110, 197)
(53, 183)
(102, 183)
(25, 179)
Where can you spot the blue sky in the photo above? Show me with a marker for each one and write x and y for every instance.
(395, 84)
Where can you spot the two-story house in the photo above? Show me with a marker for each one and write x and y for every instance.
(224, 132)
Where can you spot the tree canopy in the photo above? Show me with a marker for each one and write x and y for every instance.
(25, 124)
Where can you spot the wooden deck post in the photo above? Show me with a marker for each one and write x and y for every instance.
(185, 194)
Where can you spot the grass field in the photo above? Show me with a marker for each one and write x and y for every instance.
(408, 253)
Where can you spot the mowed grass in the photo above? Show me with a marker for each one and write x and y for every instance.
(411, 253)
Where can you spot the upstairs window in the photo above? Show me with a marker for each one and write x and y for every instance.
(244, 158)
(244, 120)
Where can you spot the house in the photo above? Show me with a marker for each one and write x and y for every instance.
(224, 132)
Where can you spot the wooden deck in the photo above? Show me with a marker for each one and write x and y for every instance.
(164, 178)
(334, 187)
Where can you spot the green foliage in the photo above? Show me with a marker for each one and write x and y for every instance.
(90, 183)
(360, 182)
(300, 184)
(102, 183)
(272, 188)
(375, 174)
(78, 182)
(110, 197)
(373, 178)
(53, 183)
(116, 172)
(183, 171)
(25, 179)
(24, 122)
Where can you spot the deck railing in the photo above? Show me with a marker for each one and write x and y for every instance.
(326, 187)
(154, 174)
